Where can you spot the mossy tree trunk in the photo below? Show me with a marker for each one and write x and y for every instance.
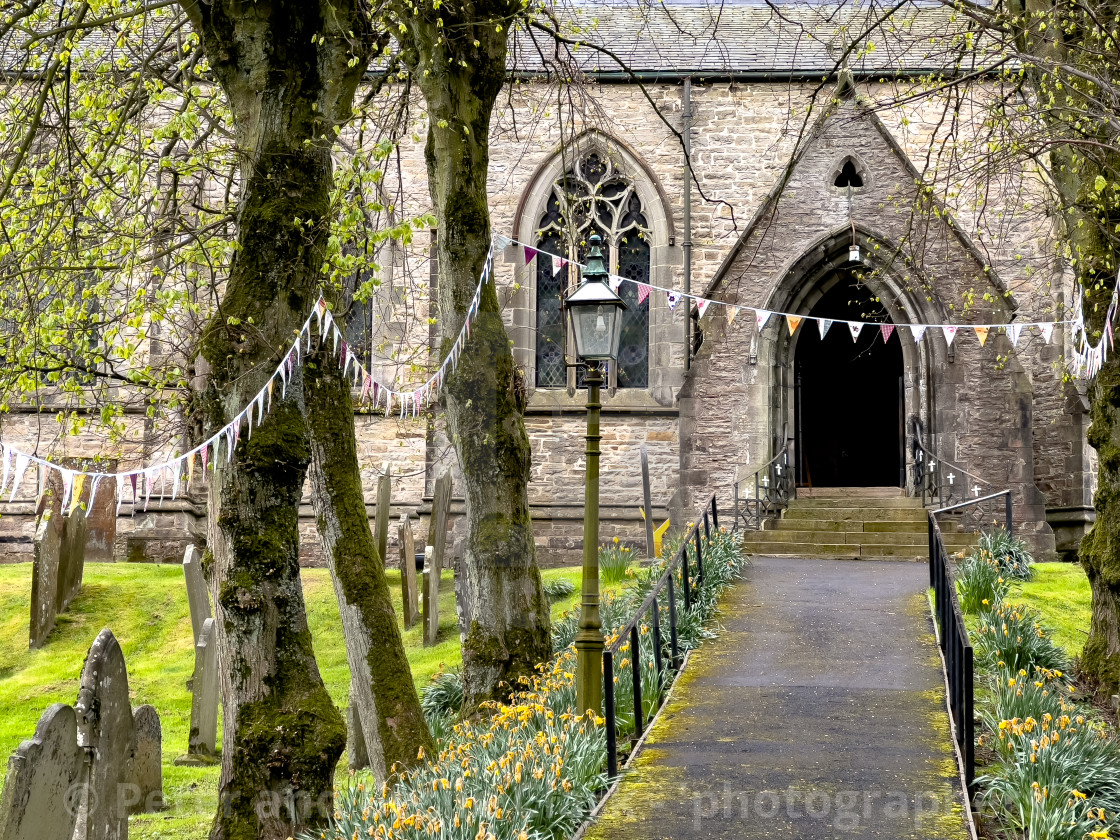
(458, 57)
(383, 694)
(286, 70)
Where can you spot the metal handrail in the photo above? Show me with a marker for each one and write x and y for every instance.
(773, 488)
(956, 649)
(934, 476)
(709, 520)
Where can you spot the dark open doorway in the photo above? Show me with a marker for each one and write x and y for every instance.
(849, 394)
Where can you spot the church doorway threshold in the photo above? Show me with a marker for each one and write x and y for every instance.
(849, 400)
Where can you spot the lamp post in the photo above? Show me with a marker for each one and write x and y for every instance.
(595, 313)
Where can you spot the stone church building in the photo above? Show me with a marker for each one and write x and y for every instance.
(779, 194)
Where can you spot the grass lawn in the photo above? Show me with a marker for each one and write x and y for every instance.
(146, 607)
(1060, 593)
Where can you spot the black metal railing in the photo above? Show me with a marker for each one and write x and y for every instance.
(631, 632)
(956, 648)
(765, 494)
(992, 510)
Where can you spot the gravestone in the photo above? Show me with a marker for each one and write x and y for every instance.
(204, 696)
(44, 578)
(355, 740)
(433, 556)
(431, 597)
(106, 731)
(101, 515)
(72, 557)
(409, 591)
(147, 763)
(198, 597)
(381, 515)
(37, 803)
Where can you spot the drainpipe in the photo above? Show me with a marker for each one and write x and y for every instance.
(686, 128)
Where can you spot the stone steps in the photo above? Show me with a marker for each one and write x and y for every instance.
(852, 522)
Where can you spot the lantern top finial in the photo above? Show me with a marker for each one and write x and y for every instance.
(595, 269)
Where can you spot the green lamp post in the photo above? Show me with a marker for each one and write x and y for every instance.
(595, 313)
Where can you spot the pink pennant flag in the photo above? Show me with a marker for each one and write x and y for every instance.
(530, 253)
(557, 264)
(823, 325)
(643, 293)
(1047, 331)
(886, 330)
(855, 328)
(950, 334)
(917, 331)
(205, 453)
(702, 306)
(367, 382)
(674, 299)
(135, 497)
(761, 316)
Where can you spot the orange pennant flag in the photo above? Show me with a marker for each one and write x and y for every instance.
(982, 334)
(792, 321)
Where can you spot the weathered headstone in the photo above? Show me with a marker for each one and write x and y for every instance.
(647, 500)
(381, 516)
(106, 731)
(433, 556)
(37, 803)
(355, 740)
(72, 557)
(147, 763)
(198, 597)
(101, 514)
(409, 592)
(44, 578)
(204, 699)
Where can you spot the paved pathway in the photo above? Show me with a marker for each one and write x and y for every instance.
(819, 712)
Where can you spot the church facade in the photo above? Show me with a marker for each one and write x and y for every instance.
(742, 179)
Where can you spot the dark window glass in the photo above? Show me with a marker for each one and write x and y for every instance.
(633, 350)
(551, 372)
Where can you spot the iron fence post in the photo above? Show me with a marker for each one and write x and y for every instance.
(608, 708)
(707, 527)
(674, 649)
(636, 672)
(715, 513)
(657, 643)
(699, 559)
(685, 587)
(757, 511)
(1007, 513)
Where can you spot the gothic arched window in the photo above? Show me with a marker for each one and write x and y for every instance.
(592, 197)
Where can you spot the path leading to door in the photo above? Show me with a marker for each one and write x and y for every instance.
(818, 712)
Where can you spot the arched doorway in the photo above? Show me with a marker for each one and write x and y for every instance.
(849, 394)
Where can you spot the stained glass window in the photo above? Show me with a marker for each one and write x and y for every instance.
(592, 197)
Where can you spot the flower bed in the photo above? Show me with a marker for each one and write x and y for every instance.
(532, 770)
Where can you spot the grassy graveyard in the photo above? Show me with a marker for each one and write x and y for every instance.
(146, 607)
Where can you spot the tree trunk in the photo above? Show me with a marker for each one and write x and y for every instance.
(383, 694)
(504, 618)
(284, 66)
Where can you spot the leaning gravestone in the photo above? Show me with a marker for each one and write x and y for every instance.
(198, 597)
(409, 593)
(44, 578)
(204, 696)
(37, 802)
(72, 558)
(433, 556)
(147, 763)
(106, 731)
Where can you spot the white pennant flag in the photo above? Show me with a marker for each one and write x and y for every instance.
(855, 327)
(702, 306)
(674, 299)
(556, 265)
(917, 331)
(176, 476)
(6, 454)
(1013, 332)
(1047, 331)
(120, 492)
(950, 334)
(761, 316)
(67, 486)
(614, 282)
(21, 467)
(93, 490)
(823, 324)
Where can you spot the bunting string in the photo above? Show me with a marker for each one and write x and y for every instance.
(166, 477)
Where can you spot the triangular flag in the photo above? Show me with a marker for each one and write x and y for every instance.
(732, 312)
(529, 254)
(792, 322)
(135, 498)
(21, 467)
(1013, 332)
(855, 328)
(982, 334)
(93, 490)
(614, 281)
(823, 325)
(674, 298)
(556, 265)
(79, 483)
(917, 331)
(67, 486)
(761, 316)
(1047, 331)
(42, 491)
(950, 334)
(120, 491)
(885, 330)
(6, 455)
(702, 306)
(190, 470)
(643, 293)
(176, 477)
